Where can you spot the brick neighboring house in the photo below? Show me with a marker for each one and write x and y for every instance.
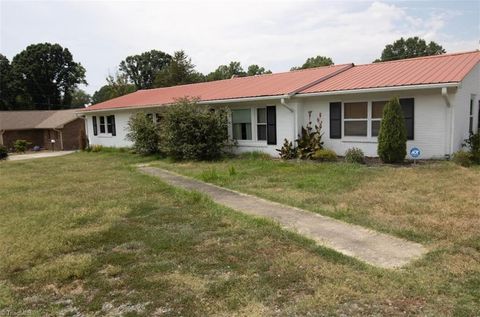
(39, 127)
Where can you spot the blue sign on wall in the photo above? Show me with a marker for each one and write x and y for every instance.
(415, 152)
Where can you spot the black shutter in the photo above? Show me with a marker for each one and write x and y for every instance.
(94, 121)
(114, 130)
(408, 113)
(271, 125)
(335, 120)
(478, 122)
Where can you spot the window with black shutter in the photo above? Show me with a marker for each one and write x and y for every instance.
(408, 113)
(94, 122)
(271, 125)
(335, 120)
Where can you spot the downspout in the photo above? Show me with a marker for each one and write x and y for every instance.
(295, 116)
(452, 121)
(1, 136)
(61, 137)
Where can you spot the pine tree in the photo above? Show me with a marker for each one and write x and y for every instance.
(392, 138)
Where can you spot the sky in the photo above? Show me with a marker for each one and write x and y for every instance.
(274, 34)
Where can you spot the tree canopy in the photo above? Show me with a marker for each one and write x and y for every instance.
(254, 69)
(7, 95)
(80, 98)
(116, 86)
(226, 71)
(143, 68)
(408, 48)
(46, 76)
(315, 61)
(180, 71)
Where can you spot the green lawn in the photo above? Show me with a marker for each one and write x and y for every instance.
(87, 233)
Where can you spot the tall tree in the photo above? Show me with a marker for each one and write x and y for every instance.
(411, 47)
(142, 69)
(315, 61)
(7, 94)
(46, 74)
(257, 70)
(227, 71)
(80, 98)
(180, 71)
(117, 86)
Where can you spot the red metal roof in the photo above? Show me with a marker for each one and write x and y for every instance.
(447, 68)
(241, 87)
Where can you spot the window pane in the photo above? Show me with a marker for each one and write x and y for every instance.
(262, 132)
(356, 128)
(376, 127)
(102, 124)
(355, 110)
(261, 115)
(377, 109)
(242, 131)
(241, 116)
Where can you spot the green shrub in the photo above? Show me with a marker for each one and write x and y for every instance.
(310, 139)
(3, 152)
(21, 145)
(194, 132)
(288, 151)
(144, 134)
(325, 155)
(462, 158)
(392, 138)
(473, 144)
(355, 155)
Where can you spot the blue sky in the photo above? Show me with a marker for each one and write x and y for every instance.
(274, 34)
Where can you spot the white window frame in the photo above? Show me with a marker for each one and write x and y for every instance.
(369, 137)
(369, 105)
(99, 124)
(262, 124)
(253, 120)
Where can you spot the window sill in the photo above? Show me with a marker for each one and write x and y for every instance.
(252, 143)
(105, 135)
(362, 140)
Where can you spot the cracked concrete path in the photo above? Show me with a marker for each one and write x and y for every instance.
(373, 247)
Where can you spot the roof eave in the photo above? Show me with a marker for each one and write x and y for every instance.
(378, 89)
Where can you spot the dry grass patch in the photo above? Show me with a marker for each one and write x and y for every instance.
(119, 242)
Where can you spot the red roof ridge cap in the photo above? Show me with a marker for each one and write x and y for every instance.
(421, 57)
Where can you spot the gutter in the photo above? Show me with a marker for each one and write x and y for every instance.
(379, 89)
(452, 121)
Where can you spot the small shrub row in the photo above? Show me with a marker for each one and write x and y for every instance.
(471, 154)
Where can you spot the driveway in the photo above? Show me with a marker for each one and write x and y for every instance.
(19, 157)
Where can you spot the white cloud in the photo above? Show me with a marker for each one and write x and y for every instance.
(274, 34)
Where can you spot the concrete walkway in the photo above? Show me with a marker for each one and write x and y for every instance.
(19, 157)
(367, 245)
